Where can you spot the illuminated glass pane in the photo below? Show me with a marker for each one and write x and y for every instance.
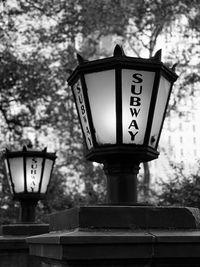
(46, 175)
(78, 92)
(17, 173)
(8, 175)
(137, 89)
(161, 102)
(33, 173)
(101, 93)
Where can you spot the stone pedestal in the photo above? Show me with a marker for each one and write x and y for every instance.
(120, 236)
(14, 251)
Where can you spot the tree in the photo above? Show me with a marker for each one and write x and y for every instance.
(57, 198)
(151, 19)
(9, 210)
(182, 189)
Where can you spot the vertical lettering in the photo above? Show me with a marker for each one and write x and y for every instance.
(134, 112)
(34, 166)
(80, 98)
(78, 89)
(133, 124)
(137, 78)
(32, 186)
(33, 171)
(82, 109)
(87, 130)
(135, 101)
(34, 160)
(82, 113)
(132, 135)
(89, 140)
(133, 89)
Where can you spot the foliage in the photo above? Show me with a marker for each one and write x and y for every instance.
(182, 189)
(149, 19)
(57, 198)
(9, 210)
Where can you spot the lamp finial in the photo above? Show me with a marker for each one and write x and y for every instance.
(24, 148)
(29, 145)
(158, 55)
(174, 67)
(80, 59)
(118, 51)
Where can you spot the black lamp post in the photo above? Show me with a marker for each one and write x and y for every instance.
(29, 173)
(121, 103)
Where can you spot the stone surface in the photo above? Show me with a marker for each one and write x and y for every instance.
(132, 247)
(129, 217)
(67, 219)
(14, 250)
(24, 229)
(120, 236)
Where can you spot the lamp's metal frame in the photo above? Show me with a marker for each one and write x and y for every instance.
(119, 61)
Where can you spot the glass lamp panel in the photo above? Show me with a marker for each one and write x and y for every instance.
(161, 102)
(101, 94)
(137, 87)
(33, 173)
(17, 173)
(78, 92)
(46, 175)
(8, 176)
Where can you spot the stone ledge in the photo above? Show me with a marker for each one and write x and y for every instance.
(93, 245)
(120, 236)
(12, 243)
(24, 229)
(126, 217)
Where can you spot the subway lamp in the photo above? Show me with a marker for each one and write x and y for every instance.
(121, 103)
(29, 172)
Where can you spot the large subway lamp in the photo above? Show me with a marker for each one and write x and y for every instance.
(121, 103)
(29, 173)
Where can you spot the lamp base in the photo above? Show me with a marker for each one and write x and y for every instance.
(27, 212)
(121, 182)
